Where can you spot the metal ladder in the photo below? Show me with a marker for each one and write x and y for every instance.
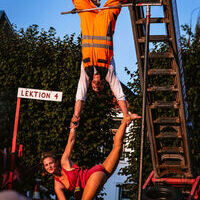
(166, 107)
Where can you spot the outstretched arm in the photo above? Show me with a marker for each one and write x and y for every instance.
(119, 94)
(123, 106)
(77, 110)
(66, 157)
(59, 190)
(116, 88)
(80, 96)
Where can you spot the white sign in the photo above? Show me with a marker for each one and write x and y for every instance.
(39, 94)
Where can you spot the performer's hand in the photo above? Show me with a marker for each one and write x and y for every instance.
(74, 122)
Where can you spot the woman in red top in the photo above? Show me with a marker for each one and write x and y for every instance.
(84, 183)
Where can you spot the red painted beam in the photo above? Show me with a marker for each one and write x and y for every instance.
(174, 180)
(148, 180)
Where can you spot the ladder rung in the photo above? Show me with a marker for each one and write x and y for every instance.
(161, 72)
(162, 88)
(159, 55)
(172, 156)
(173, 162)
(164, 166)
(153, 20)
(160, 104)
(173, 159)
(177, 150)
(164, 135)
(167, 120)
(155, 38)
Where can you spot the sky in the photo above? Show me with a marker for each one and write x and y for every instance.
(46, 14)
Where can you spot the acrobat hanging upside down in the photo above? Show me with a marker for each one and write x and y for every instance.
(97, 28)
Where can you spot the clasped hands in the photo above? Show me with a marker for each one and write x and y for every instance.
(74, 121)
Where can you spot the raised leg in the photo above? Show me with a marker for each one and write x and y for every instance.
(97, 179)
(112, 160)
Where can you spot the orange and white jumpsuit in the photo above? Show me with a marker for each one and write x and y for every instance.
(97, 28)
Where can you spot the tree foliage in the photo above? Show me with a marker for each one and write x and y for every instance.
(191, 52)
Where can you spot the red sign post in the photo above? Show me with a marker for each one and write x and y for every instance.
(28, 94)
(14, 143)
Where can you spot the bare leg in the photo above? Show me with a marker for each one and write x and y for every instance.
(112, 160)
(97, 179)
(94, 184)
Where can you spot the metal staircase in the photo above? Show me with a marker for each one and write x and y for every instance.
(166, 110)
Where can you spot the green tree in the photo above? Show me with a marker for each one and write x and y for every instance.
(191, 52)
(38, 59)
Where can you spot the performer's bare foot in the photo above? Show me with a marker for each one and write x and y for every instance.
(130, 118)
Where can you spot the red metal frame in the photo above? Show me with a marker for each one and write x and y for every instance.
(177, 182)
(14, 143)
(16, 126)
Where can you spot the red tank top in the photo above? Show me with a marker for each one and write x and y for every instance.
(78, 177)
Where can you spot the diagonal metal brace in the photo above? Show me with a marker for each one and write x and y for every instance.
(74, 11)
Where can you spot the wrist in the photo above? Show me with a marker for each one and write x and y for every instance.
(76, 117)
(124, 122)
